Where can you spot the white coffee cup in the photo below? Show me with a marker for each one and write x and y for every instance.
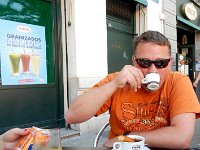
(139, 145)
(152, 81)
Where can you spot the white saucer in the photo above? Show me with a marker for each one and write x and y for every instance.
(145, 148)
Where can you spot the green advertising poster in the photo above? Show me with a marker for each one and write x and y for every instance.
(23, 53)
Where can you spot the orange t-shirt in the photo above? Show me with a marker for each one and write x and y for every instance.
(144, 111)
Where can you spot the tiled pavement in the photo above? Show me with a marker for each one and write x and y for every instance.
(72, 138)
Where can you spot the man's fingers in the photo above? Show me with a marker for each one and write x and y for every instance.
(131, 75)
(109, 143)
(131, 80)
(135, 77)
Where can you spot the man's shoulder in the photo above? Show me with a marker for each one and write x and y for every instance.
(176, 75)
(106, 79)
(177, 78)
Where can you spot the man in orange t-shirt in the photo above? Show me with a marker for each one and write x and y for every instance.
(165, 117)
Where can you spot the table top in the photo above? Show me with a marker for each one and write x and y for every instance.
(86, 148)
(106, 148)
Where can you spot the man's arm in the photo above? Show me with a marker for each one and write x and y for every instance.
(176, 136)
(86, 105)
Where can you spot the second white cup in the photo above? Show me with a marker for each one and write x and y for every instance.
(139, 145)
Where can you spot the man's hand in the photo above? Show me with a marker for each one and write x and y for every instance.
(11, 138)
(109, 143)
(131, 75)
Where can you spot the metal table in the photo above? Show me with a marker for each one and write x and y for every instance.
(106, 148)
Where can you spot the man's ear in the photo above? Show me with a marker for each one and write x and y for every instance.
(171, 62)
(133, 59)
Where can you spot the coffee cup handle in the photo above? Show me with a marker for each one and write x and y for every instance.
(117, 146)
(144, 81)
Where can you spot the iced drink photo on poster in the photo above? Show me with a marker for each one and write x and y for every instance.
(25, 58)
(14, 61)
(35, 60)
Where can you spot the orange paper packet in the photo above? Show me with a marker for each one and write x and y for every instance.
(26, 142)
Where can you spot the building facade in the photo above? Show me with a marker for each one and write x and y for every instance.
(188, 58)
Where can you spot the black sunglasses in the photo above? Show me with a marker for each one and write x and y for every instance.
(146, 63)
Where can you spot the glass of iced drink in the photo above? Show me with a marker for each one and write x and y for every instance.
(25, 58)
(54, 142)
(35, 60)
(14, 61)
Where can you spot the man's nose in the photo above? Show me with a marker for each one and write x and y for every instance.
(153, 68)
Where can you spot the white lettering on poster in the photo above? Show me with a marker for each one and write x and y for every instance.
(23, 41)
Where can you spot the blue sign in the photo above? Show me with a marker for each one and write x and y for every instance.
(23, 53)
(156, 1)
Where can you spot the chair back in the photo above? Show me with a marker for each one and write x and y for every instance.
(96, 141)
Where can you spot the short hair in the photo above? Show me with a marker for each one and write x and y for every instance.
(151, 37)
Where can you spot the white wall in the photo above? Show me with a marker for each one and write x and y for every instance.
(91, 38)
(154, 10)
(86, 43)
(86, 38)
(86, 48)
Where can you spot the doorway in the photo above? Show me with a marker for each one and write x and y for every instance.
(186, 64)
(120, 33)
(186, 53)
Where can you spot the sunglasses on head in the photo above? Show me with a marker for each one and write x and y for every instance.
(146, 63)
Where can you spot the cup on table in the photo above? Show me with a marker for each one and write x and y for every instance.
(138, 144)
(53, 142)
